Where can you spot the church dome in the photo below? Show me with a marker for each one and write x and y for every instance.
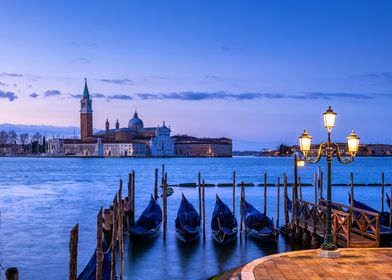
(135, 122)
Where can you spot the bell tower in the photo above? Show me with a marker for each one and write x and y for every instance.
(86, 114)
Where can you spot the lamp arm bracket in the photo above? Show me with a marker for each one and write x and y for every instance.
(342, 159)
(319, 154)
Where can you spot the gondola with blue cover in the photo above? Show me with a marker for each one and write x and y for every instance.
(188, 221)
(224, 224)
(258, 225)
(89, 272)
(149, 222)
(384, 216)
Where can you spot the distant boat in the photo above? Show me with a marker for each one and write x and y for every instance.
(187, 222)
(258, 225)
(89, 272)
(149, 222)
(223, 223)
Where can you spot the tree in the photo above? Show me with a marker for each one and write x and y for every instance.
(23, 138)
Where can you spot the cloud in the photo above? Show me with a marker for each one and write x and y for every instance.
(78, 96)
(53, 92)
(334, 95)
(212, 77)
(3, 84)
(12, 75)
(34, 95)
(382, 77)
(84, 60)
(119, 97)
(98, 95)
(6, 94)
(118, 81)
(197, 96)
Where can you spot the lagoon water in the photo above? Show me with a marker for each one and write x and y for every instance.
(41, 199)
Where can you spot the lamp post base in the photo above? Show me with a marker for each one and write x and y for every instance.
(328, 254)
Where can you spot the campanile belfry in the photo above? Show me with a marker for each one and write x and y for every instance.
(86, 114)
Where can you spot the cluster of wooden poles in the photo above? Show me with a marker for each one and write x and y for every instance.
(120, 217)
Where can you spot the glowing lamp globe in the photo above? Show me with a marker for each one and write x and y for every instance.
(353, 143)
(300, 162)
(305, 141)
(329, 119)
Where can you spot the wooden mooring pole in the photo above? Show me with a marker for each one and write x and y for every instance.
(315, 187)
(114, 239)
(204, 210)
(156, 196)
(164, 201)
(285, 203)
(352, 189)
(199, 190)
(278, 203)
(265, 193)
(300, 188)
(108, 225)
(234, 192)
(121, 230)
(382, 191)
(73, 252)
(241, 208)
(321, 184)
(12, 273)
(99, 253)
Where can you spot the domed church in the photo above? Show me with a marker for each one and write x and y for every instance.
(133, 140)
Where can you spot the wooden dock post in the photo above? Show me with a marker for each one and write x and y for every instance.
(321, 184)
(234, 192)
(114, 238)
(164, 200)
(156, 196)
(99, 252)
(382, 191)
(163, 175)
(278, 203)
(73, 252)
(107, 225)
(121, 230)
(199, 189)
(131, 190)
(315, 187)
(204, 211)
(390, 209)
(300, 188)
(12, 273)
(241, 208)
(244, 209)
(352, 189)
(285, 203)
(265, 193)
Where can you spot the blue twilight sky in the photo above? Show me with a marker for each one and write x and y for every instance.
(256, 71)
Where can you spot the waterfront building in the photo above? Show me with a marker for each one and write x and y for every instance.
(134, 140)
(188, 146)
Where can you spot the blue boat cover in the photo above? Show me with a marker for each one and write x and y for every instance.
(187, 216)
(222, 216)
(89, 271)
(255, 219)
(150, 219)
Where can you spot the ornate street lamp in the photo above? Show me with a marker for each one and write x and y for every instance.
(329, 149)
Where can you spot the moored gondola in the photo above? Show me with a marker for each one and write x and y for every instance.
(187, 222)
(223, 224)
(259, 226)
(384, 216)
(149, 222)
(89, 272)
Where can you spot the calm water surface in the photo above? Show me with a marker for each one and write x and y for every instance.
(42, 198)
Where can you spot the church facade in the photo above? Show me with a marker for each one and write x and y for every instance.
(134, 140)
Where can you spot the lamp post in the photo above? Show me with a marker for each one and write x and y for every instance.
(329, 149)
